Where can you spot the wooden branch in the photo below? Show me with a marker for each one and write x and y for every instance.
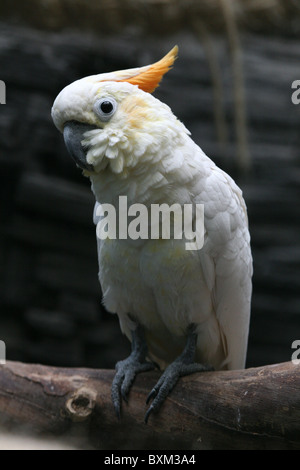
(256, 408)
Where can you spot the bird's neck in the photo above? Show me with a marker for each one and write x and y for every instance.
(165, 180)
(138, 187)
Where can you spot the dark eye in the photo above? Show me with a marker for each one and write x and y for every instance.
(105, 108)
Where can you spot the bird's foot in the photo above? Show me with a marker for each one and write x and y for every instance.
(168, 380)
(127, 369)
(125, 374)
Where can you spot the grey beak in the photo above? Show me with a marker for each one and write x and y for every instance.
(73, 135)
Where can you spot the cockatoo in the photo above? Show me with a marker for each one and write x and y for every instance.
(183, 310)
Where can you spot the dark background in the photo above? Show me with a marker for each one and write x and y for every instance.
(50, 299)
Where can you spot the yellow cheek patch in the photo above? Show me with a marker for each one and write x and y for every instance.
(137, 111)
(149, 79)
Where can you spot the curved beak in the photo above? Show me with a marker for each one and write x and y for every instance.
(73, 136)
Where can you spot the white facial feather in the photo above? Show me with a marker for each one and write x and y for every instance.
(142, 128)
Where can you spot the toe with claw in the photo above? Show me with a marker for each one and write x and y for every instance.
(127, 369)
(168, 381)
(183, 365)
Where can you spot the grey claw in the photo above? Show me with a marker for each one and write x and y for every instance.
(148, 413)
(167, 382)
(115, 395)
(117, 407)
(123, 380)
(151, 395)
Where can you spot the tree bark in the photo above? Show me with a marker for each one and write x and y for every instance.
(256, 408)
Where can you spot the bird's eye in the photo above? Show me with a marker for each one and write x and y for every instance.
(105, 108)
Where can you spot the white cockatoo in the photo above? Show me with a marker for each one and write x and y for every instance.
(185, 310)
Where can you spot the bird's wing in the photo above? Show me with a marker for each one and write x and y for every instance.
(227, 262)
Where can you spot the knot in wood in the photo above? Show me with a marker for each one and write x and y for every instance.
(81, 403)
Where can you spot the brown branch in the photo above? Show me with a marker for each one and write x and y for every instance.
(255, 408)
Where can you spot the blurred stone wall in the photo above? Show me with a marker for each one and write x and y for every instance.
(50, 299)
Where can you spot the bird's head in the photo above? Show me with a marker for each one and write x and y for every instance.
(113, 120)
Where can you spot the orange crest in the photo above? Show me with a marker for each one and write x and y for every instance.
(149, 77)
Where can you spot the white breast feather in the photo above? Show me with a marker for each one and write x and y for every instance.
(164, 286)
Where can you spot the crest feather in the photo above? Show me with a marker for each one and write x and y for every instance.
(149, 77)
